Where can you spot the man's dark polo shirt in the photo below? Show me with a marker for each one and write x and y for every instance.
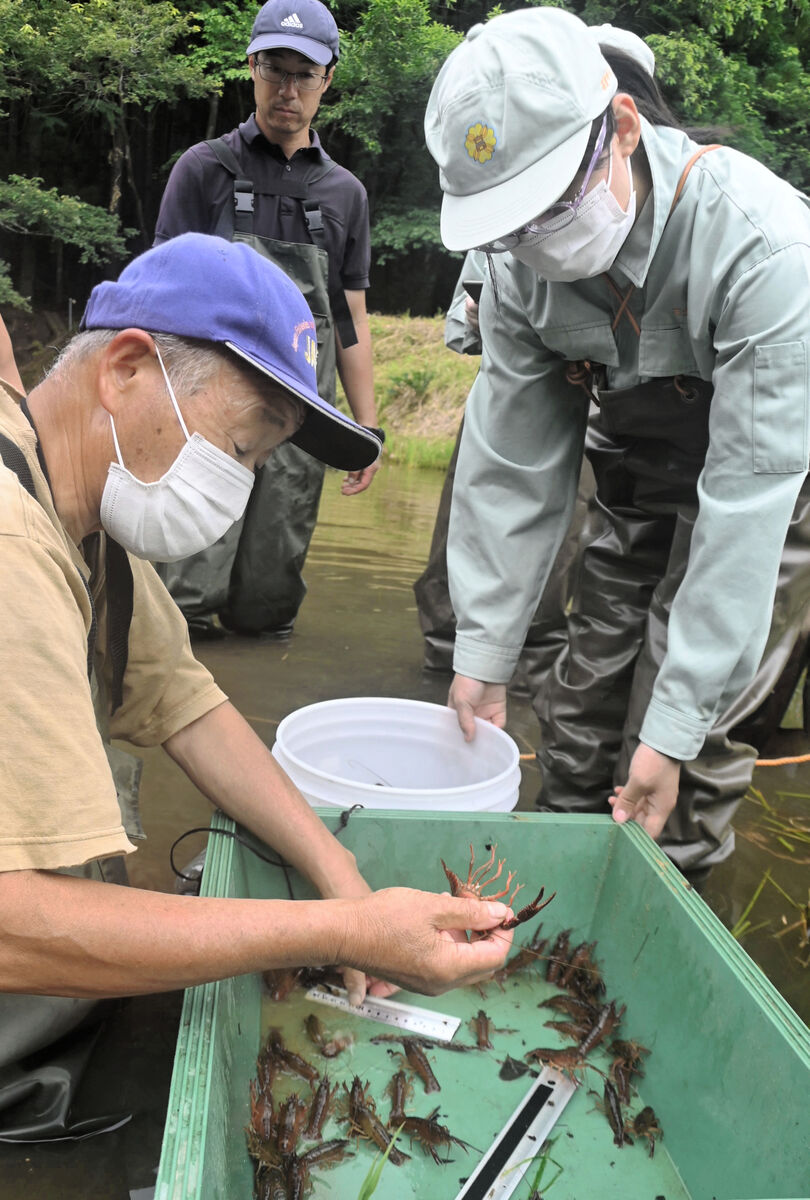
(199, 188)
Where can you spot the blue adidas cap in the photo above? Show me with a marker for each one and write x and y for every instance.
(198, 286)
(306, 26)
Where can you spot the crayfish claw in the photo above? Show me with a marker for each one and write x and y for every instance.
(456, 886)
(531, 910)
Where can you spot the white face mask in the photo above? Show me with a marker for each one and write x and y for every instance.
(189, 508)
(565, 250)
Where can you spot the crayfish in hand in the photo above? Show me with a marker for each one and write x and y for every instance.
(472, 888)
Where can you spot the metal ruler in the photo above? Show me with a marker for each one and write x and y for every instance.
(510, 1156)
(419, 1021)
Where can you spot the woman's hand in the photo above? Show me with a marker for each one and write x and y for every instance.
(472, 698)
(651, 791)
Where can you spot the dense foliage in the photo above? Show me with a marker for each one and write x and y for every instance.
(99, 98)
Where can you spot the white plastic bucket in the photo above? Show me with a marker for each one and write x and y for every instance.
(390, 753)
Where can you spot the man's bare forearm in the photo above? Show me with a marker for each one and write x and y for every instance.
(355, 364)
(233, 767)
(64, 936)
(76, 937)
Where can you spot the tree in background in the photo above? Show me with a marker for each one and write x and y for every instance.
(29, 210)
(101, 97)
(218, 52)
(79, 82)
(738, 64)
(387, 67)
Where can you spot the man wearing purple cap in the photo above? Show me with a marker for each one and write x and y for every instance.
(270, 183)
(142, 443)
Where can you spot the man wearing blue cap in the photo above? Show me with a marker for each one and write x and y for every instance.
(142, 442)
(270, 183)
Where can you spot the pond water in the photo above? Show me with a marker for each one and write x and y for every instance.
(358, 634)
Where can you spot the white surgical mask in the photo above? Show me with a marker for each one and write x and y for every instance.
(565, 250)
(189, 508)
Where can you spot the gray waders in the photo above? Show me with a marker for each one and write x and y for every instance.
(46, 1041)
(252, 577)
(647, 446)
(547, 634)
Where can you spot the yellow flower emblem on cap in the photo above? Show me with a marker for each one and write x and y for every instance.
(480, 142)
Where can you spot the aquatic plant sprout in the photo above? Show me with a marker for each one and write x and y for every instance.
(372, 1179)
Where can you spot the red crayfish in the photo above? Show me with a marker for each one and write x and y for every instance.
(472, 888)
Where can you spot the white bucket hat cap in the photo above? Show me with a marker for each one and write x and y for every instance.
(613, 38)
(508, 120)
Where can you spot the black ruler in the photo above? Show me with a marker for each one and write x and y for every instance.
(511, 1154)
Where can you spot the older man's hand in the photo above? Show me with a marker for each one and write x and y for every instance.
(419, 940)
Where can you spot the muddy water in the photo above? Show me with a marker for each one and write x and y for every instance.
(358, 635)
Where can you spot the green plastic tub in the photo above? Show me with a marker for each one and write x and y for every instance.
(728, 1072)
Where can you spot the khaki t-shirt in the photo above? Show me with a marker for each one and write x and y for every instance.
(58, 804)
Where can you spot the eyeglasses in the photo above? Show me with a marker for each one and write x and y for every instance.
(307, 81)
(558, 216)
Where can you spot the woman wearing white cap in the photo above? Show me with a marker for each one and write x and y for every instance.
(669, 283)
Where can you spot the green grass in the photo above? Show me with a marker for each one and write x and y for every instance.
(369, 1184)
(420, 387)
(423, 452)
(543, 1161)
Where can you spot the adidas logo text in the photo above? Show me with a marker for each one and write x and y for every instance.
(293, 21)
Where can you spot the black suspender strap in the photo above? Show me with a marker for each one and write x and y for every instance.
(337, 296)
(240, 221)
(120, 594)
(119, 585)
(15, 460)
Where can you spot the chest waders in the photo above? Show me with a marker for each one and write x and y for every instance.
(546, 636)
(647, 446)
(46, 1041)
(253, 575)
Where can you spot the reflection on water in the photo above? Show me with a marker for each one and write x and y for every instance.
(762, 892)
(358, 635)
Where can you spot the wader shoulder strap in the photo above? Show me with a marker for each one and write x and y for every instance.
(337, 295)
(240, 221)
(581, 374)
(624, 299)
(119, 584)
(120, 589)
(698, 154)
(15, 460)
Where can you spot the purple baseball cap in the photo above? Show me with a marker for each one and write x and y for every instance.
(198, 286)
(303, 25)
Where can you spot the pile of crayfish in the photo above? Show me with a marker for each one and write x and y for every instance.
(590, 1020)
(285, 1138)
(275, 1131)
(361, 1113)
(282, 1170)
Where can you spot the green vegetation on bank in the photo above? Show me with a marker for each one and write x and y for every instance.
(420, 385)
(98, 99)
(421, 388)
